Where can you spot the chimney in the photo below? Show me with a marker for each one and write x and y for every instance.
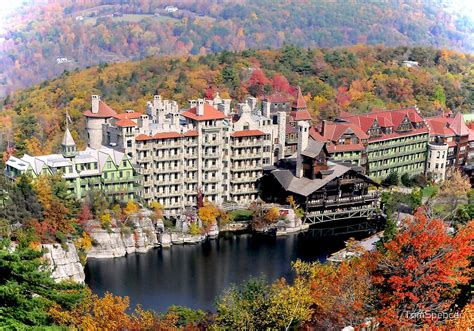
(303, 138)
(95, 104)
(323, 127)
(266, 109)
(157, 101)
(252, 102)
(200, 107)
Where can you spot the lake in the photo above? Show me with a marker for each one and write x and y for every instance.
(195, 275)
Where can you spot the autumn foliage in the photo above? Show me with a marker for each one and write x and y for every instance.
(418, 276)
(107, 313)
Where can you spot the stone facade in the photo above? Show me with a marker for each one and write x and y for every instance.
(206, 149)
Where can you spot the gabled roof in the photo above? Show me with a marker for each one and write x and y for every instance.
(458, 126)
(315, 134)
(247, 133)
(210, 113)
(299, 102)
(300, 115)
(104, 111)
(334, 131)
(305, 186)
(125, 123)
(385, 118)
(313, 149)
(439, 126)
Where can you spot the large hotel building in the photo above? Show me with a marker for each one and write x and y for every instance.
(174, 156)
(205, 149)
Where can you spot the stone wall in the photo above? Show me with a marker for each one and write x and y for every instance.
(64, 263)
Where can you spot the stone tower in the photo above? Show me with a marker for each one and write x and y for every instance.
(303, 138)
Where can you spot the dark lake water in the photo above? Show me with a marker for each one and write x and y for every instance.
(195, 275)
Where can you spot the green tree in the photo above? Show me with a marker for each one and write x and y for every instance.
(392, 179)
(27, 291)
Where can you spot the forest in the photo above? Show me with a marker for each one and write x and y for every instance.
(44, 39)
(419, 277)
(353, 79)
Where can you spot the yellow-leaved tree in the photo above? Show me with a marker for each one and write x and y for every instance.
(208, 215)
(131, 208)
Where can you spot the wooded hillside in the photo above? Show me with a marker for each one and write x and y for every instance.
(44, 40)
(355, 79)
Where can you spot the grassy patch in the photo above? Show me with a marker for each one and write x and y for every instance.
(134, 18)
(430, 191)
(241, 215)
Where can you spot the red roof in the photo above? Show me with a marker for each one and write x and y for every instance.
(142, 137)
(125, 123)
(385, 118)
(192, 133)
(104, 111)
(247, 133)
(439, 126)
(210, 113)
(400, 134)
(278, 97)
(133, 115)
(315, 134)
(299, 102)
(167, 135)
(471, 135)
(300, 115)
(458, 126)
(344, 147)
(334, 131)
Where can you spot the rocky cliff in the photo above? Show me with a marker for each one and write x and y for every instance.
(138, 236)
(64, 262)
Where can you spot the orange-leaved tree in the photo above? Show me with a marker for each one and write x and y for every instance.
(342, 294)
(418, 275)
(107, 313)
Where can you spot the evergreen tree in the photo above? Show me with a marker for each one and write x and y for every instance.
(27, 291)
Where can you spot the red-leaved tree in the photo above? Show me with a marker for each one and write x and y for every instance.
(419, 274)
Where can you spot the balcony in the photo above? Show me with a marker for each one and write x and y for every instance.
(245, 143)
(396, 154)
(343, 201)
(249, 167)
(375, 146)
(147, 171)
(169, 194)
(389, 165)
(249, 190)
(142, 159)
(212, 180)
(211, 155)
(118, 180)
(244, 179)
(212, 143)
(246, 156)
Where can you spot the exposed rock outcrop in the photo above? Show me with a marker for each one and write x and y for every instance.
(64, 263)
(138, 236)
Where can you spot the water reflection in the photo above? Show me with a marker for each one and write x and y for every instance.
(195, 275)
